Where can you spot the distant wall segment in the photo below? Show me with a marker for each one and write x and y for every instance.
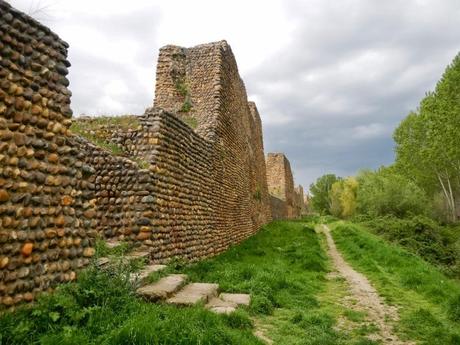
(286, 201)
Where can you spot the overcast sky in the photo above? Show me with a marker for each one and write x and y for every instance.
(331, 79)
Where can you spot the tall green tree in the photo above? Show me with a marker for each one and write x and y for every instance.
(320, 193)
(428, 140)
(343, 197)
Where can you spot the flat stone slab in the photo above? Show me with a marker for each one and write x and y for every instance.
(219, 306)
(112, 243)
(163, 288)
(142, 275)
(139, 254)
(237, 298)
(102, 262)
(194, 293)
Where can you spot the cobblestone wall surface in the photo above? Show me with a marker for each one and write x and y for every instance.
(285, 200)
(46, 213)
(187, 179)
(203, 83)
(167, 206)
(299, 203)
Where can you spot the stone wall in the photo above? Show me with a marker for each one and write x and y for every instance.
(45, 202)
(187, 179)
(203, 83)
(299, 200)
(285, 200)
(166, 206)
(208, 183)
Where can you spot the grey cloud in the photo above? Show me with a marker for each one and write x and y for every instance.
(329, 97)
(91, 74)
(351, 72)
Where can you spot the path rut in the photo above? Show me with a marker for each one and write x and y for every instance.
(368, 300)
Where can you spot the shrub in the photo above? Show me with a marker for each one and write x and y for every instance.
(383, 193)
(423, 236)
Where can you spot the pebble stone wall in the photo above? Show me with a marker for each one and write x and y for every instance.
(208, 184)
(190, 180)
(285, 200)
(46, 209)
(206, 77)
(166, 207)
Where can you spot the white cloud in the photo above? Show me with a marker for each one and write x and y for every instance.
(331, 79)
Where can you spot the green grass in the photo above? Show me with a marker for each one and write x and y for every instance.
(81, 130)
(429, 301)
(191, 121)
(142, 163)
(101, 308)
(125, 122)
(435, 243)
(283, 267)
(96, 129)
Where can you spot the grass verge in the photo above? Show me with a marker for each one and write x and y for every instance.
(283, 267)
(429, 301)
(102, 308)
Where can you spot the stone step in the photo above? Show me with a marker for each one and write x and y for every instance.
(143, 274)
(112, 243)
(219, 306)
(139, 254)
(194, 293)
(237, 298)
(163, 288)
(102, 262)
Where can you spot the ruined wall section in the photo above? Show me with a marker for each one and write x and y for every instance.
(299, 200)
(122, 193)
(46, 213)
(259, 186)
(281, 186)
(185, 196)
(167, 206)
(219, 105)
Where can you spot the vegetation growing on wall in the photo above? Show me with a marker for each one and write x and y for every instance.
(183, 89)
(81, 130)
(191, 121)
(126, 122)
(96, 129)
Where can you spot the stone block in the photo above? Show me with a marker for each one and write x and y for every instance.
(194, 293)
(164, 288)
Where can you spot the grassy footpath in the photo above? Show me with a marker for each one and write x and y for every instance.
(283, 267)
(429, 301)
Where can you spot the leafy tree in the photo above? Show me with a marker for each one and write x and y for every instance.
(427, 141)
(384, 193)
(320, 193)
(343, 197)
(335, 197)
(348, 197)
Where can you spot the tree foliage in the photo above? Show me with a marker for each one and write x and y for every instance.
(428, 141)
(343, 197)
(320, 193)
(384, 193)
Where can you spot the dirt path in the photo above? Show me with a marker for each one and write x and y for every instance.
(367, 298)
